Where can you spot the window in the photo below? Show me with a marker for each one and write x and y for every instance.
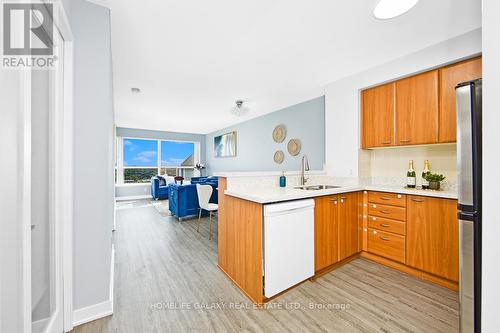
(140, 159)
(177, 154)
(177, 159)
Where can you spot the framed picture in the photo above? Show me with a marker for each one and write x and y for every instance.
(225, 145)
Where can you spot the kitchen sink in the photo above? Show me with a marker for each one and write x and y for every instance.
(316, 187)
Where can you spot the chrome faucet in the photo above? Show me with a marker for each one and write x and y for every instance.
(305, 167)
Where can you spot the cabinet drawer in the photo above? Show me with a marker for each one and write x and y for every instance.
(387, 245)
(384, 198)
(383, 224)
(388, 212)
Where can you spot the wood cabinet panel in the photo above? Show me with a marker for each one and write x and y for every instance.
(388, 212)
(385, 198)
(432, 236)
(378, 106)
(387, 245)
(348, 225)
(417, 109)
(240, 242)
(383, 224)
(325, 231)
(449, 77)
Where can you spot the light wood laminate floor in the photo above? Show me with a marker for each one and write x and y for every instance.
(163, 266)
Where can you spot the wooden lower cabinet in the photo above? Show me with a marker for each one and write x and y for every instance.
(336, 231)
(415, 234)
(432, 236)
(386, 244)
(326, 214)
(348, 225)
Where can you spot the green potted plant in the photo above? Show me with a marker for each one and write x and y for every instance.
(434, 180)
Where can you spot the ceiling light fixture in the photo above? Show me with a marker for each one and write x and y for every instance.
(388, 9)
(135, 90)
(239, 109)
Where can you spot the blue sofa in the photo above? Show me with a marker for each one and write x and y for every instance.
(159, 188)
(183, 199)
(205, 180)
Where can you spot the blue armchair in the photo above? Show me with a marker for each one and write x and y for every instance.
(183, 199)
(159, 188)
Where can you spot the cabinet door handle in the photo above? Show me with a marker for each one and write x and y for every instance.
(384, 211)
(386, 142)
(334, 201)
(385, 198)
(405, 140)
(417, 200)
(383, 225)
(384, 238)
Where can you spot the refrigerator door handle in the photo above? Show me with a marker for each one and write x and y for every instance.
(464, 146)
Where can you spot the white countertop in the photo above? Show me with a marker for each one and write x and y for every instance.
(266, 195)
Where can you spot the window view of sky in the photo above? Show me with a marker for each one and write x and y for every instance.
(144, 153)
(140, 152)
(174, 153)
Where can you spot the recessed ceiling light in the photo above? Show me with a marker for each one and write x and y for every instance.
(387, 9)
(135, 90)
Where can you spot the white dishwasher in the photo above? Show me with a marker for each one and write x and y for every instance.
(288, 244)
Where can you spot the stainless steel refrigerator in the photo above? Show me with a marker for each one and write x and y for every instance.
(469, 105)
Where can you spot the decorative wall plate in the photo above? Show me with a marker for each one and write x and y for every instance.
(279, 133)
(294, 147)
(279, 156)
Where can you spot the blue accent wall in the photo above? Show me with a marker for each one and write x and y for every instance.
(256, 147)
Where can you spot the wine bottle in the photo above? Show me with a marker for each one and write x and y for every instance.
(425, 183)
(411, 176)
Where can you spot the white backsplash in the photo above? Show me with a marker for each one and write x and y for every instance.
(272, 181)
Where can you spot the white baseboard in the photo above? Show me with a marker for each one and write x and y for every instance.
(100, 310)
(39, 325)
(134, 197)
(93, 312)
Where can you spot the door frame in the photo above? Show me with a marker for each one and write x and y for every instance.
(64, 156)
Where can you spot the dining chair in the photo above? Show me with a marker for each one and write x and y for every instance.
(204, 193)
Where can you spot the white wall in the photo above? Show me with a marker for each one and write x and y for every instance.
(93, 153)
(491, 163)
(40, 194)
(11, 305)
(342, 97)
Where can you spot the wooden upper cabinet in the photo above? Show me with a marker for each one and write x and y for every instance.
(450, 76)
(432, 236)
(378, 116)
(417, 109)
(325, 231)
(348, 225)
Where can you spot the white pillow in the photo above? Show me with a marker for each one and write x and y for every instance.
(169, 179)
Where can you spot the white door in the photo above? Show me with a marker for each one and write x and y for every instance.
(47, 105)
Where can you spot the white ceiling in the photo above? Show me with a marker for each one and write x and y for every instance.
(193, 58)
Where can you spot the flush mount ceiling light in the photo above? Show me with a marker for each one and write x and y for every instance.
(239, 109)
(388, 9)
(135, 90)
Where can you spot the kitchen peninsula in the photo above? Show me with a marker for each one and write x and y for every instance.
(411, 230)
